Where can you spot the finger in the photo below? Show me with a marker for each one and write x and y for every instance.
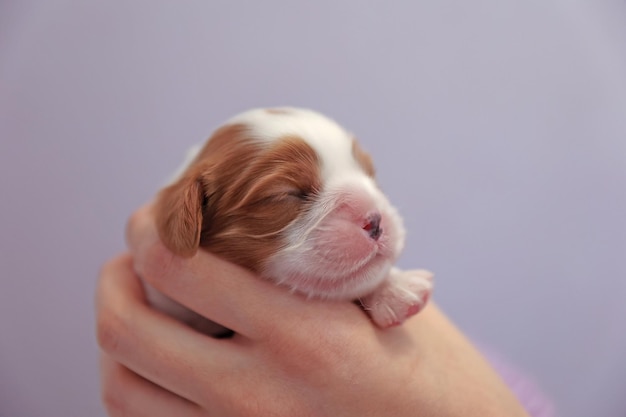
(219, 290)
(155, 346)
(125, 393)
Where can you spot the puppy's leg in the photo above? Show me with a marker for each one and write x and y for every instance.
(402, 295)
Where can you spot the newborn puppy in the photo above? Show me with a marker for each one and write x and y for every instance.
(290, 195)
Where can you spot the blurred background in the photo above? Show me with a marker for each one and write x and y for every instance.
(498, 128)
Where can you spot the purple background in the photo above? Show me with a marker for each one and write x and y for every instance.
(498, 128)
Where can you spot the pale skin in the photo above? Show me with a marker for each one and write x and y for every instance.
(289, 356)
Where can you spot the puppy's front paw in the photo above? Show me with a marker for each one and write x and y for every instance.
(401, 296)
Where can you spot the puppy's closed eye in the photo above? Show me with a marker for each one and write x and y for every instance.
(303, 195)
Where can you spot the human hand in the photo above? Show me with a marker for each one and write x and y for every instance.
(289, 356)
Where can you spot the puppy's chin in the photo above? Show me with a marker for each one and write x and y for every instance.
(332, 265)
(331, 283)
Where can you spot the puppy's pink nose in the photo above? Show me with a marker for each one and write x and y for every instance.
(373, 226)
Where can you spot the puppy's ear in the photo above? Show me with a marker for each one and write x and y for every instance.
(179, 215)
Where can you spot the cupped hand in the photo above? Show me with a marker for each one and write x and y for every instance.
(289, 356)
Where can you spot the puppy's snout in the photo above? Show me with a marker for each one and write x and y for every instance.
(372, 227)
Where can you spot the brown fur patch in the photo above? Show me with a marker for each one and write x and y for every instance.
(251, 191)
(363, 158)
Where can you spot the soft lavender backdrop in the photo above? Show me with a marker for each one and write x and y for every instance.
(498, 128)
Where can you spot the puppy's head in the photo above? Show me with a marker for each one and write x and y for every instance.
(288, 194)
